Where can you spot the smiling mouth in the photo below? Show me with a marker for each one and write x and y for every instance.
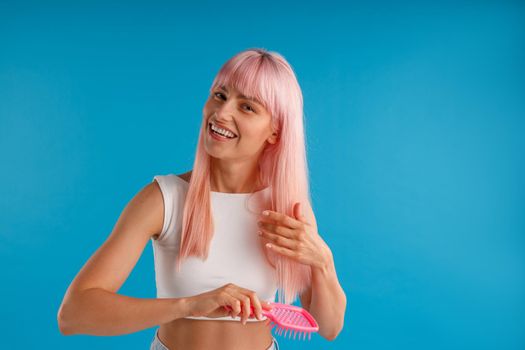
(219, 134)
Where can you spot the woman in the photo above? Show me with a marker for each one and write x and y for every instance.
(211, 266)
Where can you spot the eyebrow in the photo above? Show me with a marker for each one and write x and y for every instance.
(242, 96)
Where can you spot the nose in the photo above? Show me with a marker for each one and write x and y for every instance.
(225, 112)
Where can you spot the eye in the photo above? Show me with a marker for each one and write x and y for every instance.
(250, 107)
(217, 93)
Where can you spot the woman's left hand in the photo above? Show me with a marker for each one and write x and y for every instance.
(295, 238)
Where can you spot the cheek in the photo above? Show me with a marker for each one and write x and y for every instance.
(252, 135)
(206, 110)
(256, 130)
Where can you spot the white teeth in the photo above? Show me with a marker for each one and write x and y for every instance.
(223, 132)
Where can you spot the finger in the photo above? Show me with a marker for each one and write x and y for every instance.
(255, 303)
(230, 295)
(232, 305)
(279, 240)
(281, 250)
(280, 218)
(298, 212)
(245, 306)
(246, 309)
(235, 305)
(278, 229)
(266, 305)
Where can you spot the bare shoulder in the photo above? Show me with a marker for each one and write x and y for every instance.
(149, 205)
(113, 261)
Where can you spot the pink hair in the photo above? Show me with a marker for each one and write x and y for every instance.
(269, 78)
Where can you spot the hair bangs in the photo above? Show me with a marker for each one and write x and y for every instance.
(254, 77)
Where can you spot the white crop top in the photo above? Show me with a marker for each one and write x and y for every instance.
(236, 253)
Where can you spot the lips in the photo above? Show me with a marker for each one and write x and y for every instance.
(222, 127)
(218, 137)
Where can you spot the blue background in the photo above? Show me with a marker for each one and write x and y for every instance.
(414, 119)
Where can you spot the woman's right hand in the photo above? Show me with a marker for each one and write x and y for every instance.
(214, 303)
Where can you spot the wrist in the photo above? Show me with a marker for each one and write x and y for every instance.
(181, 307)
(325, 265)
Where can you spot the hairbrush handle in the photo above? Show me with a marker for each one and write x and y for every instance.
(289, 318)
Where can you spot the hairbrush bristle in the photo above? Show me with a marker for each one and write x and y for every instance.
(291, 320)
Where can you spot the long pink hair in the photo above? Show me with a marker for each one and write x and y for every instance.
(269, 78)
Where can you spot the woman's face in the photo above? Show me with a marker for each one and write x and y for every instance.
(247, 119)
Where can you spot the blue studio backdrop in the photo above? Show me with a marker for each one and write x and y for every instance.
(414, 119)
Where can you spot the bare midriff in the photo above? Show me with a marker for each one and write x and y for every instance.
(189, 334)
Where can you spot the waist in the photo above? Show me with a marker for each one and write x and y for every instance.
(192, 334)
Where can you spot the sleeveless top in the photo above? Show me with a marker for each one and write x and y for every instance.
(236, 254)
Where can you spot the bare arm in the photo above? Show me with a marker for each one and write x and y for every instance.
(99, 312)
(325, 299)
(91, 304)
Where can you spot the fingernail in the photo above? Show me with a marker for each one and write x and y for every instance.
(259, 233)
(265, 212)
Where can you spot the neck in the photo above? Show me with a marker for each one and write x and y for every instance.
(230, 177)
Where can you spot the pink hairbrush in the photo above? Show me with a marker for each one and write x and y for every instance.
(289, 318)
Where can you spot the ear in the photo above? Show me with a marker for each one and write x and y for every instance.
(273, 138)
